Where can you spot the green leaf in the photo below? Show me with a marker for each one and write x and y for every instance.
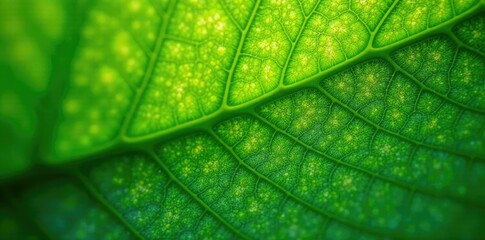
(242, 119)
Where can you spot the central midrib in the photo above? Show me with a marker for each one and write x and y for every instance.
(125, 143)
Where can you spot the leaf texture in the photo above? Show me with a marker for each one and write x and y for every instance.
(246, 119)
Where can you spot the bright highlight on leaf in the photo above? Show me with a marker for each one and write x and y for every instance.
(265, 119)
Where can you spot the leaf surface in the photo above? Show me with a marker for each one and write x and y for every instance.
(248, 119)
